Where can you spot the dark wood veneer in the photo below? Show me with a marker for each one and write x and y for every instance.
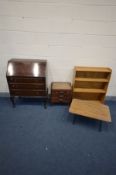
(27, 77)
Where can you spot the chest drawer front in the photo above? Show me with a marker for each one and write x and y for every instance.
(27, 93)
(60, 100)
(37, 86)
(63, 96)
(25, 80)
(60, 93)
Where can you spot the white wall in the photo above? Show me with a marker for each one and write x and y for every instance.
(67, 33)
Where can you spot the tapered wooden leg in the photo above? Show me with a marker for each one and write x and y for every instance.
(46, 99)
(45, 103)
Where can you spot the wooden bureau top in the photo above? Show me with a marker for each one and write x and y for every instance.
(26, 67)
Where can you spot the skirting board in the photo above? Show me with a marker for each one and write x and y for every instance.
(6, 94)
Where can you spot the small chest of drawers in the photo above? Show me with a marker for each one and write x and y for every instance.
(27, 77)
(61, 92)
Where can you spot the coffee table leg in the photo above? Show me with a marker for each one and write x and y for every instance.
(100, 126)
(74, 119)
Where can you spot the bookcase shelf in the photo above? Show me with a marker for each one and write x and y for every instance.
(89, 90)
(93, 69)
(92, 79)
(91, 83)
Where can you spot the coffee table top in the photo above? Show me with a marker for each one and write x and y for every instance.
(91, 109)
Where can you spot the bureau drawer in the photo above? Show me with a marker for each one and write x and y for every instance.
(26, 80)
(39, 86)
(27, 93)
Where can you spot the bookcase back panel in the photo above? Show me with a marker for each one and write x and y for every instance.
(88, 96)
(95, 85)
(92, 74)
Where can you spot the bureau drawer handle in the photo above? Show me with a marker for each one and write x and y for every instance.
(61, 100)
(61, 92)
(61, 96)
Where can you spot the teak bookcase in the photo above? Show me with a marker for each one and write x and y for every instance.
(91, 83)
(89, 90)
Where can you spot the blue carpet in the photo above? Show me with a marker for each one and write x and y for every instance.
(38, 141)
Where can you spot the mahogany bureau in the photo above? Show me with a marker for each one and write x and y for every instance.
(27, 78)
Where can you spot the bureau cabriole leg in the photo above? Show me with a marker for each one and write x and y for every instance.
(45, 103)
(12, 98)
(46, 99)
